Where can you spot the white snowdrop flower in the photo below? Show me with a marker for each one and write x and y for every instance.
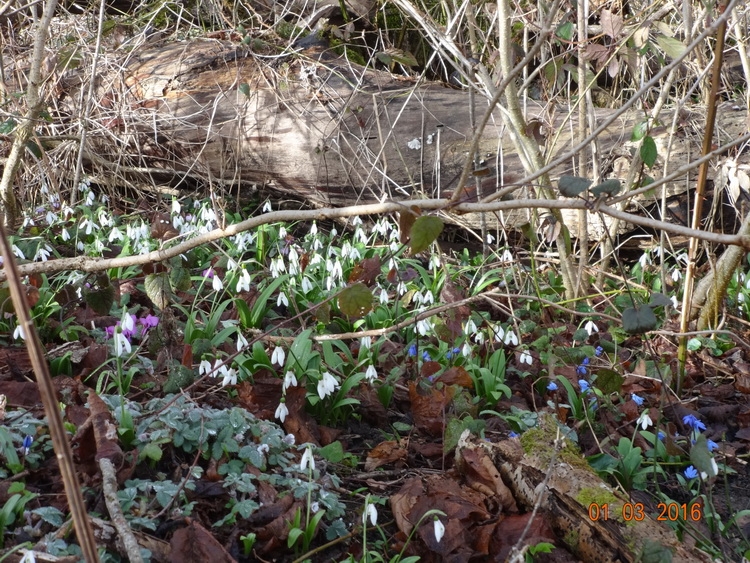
(243, 284)
(371, 374)
(466, 350)
(18, 253)
(334, 233)
(429, 298)
(525, 357)
(90, 199)
(365, 342)
(267, 207)
(644, 421)
(204, 367)
(278, 356)
(507, 256)
(479, 338)
(241, 341)
(28, 557)
(337, 272)
(590, 327)
(317, 245)
(424, 327)
(42, 253)
(127, 322)
(307, 460)
(327, 385)
(51, 218)
(216, 283)
(19, 333)
(306, 285)
(290, 380)
(28, 221)
(114, 234)
(122, 344)
(414, 144)
(675, 304)
(434, 262)
(394, 246)
(383, 298)
(282, 232)
(401, 288)
(281, 411)
(230, 376)
(277, 266)
(439, 529)
(104, 218)
(176, 207)
(511, 338)
(314, 229)
(490, 238)
(80, 246)
(499, 333)
(741, 297)
(66, 235)
(293, 258)
(314, 507)
(645, 259)
(370, 512)
(356, 221)
(683, 257)
(676, 275)
(282, 300)
(470, 327)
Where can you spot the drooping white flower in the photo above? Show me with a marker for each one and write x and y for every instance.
(645, 259)
(370, 512)
(676, 275)
(644, 421)
(229, 376)
(590, 327)
(19, 333)
(290, 380)
(204, 367)
(241, 341)
(511, 338)
(525, 357)
(371, 374)
(122, 344)
(307, 285)
(439, 529)
(307, 460)
(282, 300)
(424, 327)
(278, 356)
(216, 283)
(327, 385)
(470, 327)
(365, 342)
(281, 411)
(466, 350)
(243, 284)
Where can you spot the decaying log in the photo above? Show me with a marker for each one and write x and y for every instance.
(567, 496)
(316, 126)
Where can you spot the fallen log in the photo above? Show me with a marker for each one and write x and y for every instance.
(315, 126)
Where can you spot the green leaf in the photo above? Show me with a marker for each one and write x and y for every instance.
(659, 300)
(7, 126)
(150, 451)
(565, 31)
(609, 381)
(157, 289)
(384, 58)
(571, 186)
(101, 297)
(694, 344)
(424, 232)
(355, 300)
(244, 88)
(638, 320)
(333, 452)
(672, 47)
(179, 377)
(648, 151)
(654, 552)
(639, 131)
(403, 57)
(609, 187)
(179, 279)
(34, 148)
(702, 459)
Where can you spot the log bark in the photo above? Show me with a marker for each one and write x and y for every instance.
(316, 126)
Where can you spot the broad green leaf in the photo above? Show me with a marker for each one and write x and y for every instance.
(637, 320)
(333, 452)
(384, 58)
(150, 451)
(157, 289)
(7, 127)
(694, 344)
(403, 57)
(565, 31)
(659, 300)
(101, 296)
(701, 458)
(571, 186)
(244, 88)
(425, 230)
(179, 377)
(179, 279)
(355, 300)
(648, 151)
(609, 381)
(639, 131)
(609, 187)
(674, 48)
(654, 552)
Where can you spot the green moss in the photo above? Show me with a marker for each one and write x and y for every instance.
(601, 496)
(571, 539)
(540, 441)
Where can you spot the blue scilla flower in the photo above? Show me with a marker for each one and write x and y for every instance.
(691, 472)
(426, 356)
(692, 422)
(513, 434)
(581, 370)
(450, 353)
(27, 441)
(661, 435)
(412, 350)
(584, 385)
(598, 351)
(712, 446)
(551, 386)
(636, 399)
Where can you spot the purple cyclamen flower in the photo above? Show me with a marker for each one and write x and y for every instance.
(149, 321)
(208, 273)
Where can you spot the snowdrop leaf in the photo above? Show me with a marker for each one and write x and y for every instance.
(355, 300)
(638, 320)
(571, 186)
(158, 289)
(424, 232)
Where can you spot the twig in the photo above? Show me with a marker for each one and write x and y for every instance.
(109, 487)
